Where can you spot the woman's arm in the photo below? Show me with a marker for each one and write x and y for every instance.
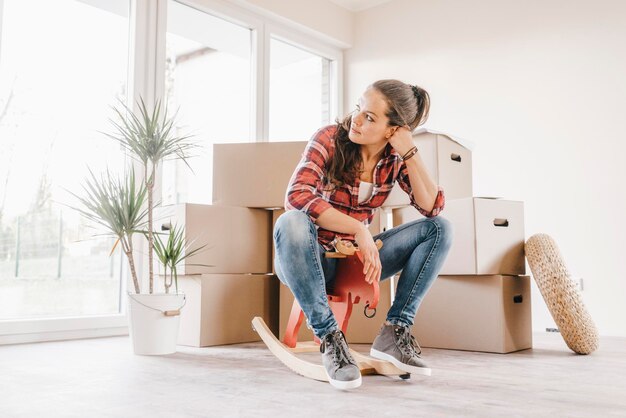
(301, 191)
(423, 187)
(425, 195)
(334, 220)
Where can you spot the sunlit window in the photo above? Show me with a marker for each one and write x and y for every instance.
(63, 63)
(208, 79)
(299, 92)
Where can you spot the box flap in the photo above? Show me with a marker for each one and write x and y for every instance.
(463, 142)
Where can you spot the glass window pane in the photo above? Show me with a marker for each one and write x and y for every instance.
(299, 92)
(208, 79)
(63, 64)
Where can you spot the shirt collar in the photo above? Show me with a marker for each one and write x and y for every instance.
(390, 152)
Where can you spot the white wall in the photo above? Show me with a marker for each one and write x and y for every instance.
(540, 87)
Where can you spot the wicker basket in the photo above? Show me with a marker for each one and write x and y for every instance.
(561, 295)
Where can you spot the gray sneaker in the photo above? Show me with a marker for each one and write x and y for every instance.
(342, 370)
(395, 343)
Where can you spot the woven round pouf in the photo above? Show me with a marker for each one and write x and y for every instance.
(561, 295)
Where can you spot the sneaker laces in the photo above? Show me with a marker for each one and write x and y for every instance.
(406, 342)
(340, 351)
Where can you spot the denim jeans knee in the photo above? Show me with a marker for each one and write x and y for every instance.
(445, 231)
(294, 225)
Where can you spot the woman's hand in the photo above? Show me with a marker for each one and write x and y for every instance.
(402, 140)
(371, 260)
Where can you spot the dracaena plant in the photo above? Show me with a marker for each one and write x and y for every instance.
(150, 137)
(118, 205)
(172, 252)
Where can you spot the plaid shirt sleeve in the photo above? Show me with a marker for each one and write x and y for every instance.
(440, 200)
(302, 190)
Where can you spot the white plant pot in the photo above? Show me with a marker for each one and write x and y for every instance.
(151, 331)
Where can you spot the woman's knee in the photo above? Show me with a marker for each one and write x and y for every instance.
(293, 225)
(444, 229)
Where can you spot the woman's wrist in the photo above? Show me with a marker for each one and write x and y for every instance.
(359, 229)
(410, 153)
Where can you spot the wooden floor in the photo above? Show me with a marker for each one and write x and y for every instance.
(102, 378)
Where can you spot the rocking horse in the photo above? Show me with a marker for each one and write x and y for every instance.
(349, 289)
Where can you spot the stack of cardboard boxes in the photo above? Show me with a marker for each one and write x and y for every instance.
(249, 182)
(481, 300)
(227, 283)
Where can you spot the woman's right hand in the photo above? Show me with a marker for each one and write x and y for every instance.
(371, 259)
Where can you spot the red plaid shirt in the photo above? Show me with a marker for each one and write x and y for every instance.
(306, 188)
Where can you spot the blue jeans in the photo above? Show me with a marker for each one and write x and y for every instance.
(418, 248)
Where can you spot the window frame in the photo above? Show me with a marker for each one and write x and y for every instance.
(146, 79)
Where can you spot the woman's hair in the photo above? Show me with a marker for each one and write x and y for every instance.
(406, 105)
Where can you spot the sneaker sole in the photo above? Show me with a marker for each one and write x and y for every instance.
(340, 384)
(425, 371)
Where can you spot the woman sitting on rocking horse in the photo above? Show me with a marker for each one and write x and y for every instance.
(346, 172)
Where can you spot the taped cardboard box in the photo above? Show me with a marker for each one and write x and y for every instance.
(267, 168)
(237, 239)
(476, 313)
(360, 328)
(488, 235)
(219, 307)
(448, 160)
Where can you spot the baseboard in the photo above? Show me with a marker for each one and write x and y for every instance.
(62, 335)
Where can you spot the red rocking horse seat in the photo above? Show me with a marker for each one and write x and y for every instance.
(350, 288)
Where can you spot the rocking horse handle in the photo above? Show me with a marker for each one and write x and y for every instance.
(348, 248)
(379, 245)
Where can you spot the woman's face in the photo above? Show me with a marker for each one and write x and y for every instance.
(369, 121)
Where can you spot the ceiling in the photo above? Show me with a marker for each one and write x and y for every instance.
(358, 5)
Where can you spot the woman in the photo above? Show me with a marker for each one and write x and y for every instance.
(347, 171)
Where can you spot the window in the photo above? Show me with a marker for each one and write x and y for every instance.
(240, 80)
(62, 65)
(208, 78)
(299, 92)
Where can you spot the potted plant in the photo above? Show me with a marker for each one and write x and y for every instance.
(149, 137)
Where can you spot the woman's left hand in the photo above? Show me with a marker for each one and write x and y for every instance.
(402, 140)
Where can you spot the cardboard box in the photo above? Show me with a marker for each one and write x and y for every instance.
(360, 328)
(447, 160)
(219, 308)
(237, 239)
(488, 235)
(266, 167)
(275, 214)
(476, 313)
(381, 221)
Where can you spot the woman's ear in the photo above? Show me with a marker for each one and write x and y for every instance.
(391, 131)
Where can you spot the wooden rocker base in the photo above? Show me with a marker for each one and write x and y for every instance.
(287, 355)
